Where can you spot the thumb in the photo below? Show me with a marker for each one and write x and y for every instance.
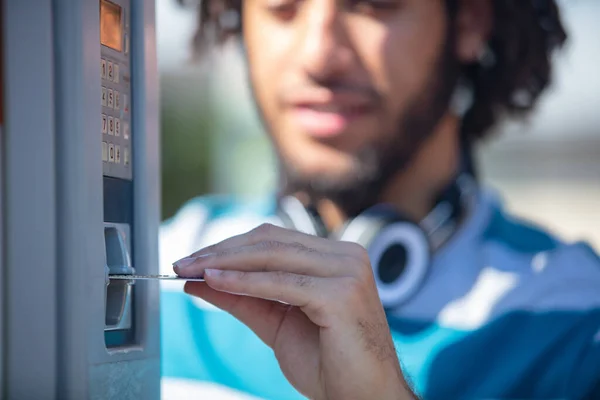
(263, 317)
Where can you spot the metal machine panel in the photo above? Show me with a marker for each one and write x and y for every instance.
(73, 210)
(29, 289)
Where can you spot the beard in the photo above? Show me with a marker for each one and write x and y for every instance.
(372, 168)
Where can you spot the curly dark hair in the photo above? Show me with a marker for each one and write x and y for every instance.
(524, 36)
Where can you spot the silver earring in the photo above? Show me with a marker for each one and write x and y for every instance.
(462, 98)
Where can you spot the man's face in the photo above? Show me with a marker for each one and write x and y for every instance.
(348, 90)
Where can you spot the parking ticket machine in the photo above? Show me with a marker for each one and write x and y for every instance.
(80, 199)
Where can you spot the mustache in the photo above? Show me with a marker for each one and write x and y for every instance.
(315, 89)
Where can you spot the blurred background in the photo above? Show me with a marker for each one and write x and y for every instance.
(547, 168)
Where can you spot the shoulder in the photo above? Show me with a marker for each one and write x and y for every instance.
(552, 272)
(205, 220)
(524, 290)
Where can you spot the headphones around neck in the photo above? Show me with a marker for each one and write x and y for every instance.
(400, 249)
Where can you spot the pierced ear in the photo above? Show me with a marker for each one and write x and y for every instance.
(473, 27)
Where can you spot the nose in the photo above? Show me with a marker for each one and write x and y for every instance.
(325, 50)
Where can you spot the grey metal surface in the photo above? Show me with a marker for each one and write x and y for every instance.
(80, 233)
(88, 369)
(124, 380)
(146, 163)
(29, 289)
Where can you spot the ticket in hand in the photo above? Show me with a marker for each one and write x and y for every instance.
(155, 277)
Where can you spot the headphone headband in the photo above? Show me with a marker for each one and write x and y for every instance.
(448, 210)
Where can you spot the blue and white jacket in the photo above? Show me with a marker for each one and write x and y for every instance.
(507, 312)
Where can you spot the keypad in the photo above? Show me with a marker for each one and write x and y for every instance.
(116, 134)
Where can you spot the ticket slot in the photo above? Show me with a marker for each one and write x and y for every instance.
(118, 293)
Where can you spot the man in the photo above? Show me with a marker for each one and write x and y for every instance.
(372, 108)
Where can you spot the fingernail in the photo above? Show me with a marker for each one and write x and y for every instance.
(212, 272)
(184, 262)
(187, 261)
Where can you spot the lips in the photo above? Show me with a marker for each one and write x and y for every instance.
(325, 121)
(325, 114)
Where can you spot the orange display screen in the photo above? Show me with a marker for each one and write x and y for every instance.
(111, 27)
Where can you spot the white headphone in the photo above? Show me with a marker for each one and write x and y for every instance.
(400, 250)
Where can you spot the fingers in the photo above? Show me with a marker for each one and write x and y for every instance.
(267, 233)
(269, 256)
(306, 292)
(263, 317)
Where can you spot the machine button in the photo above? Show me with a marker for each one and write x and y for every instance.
(117, 100)
(104, 151)
(125, 103)
(103, 69)
(104, 123)
(104, 96)
(116, 73)
(117, 127)
(111, 98)
(126, 130)
(111, 152)
(126, 44)
(111, 126)
(110, 72)
(126, 155)
(117, 154)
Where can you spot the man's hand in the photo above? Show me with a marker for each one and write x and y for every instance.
(313, 301)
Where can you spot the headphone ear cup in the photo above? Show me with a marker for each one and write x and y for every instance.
(400, 257)
(399, 252)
